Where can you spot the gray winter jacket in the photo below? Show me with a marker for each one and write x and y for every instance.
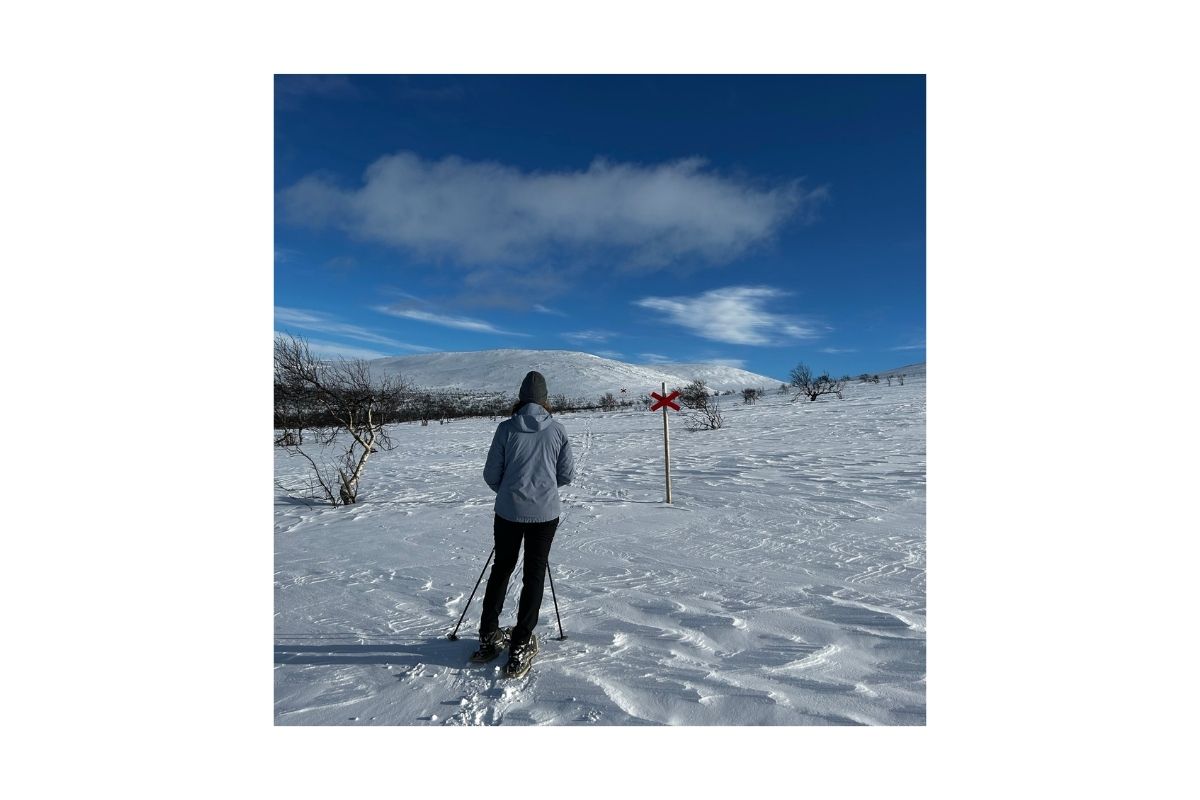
(529, 459)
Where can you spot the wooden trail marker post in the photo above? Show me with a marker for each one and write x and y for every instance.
(665, 401)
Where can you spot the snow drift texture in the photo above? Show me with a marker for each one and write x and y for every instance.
(785, 586)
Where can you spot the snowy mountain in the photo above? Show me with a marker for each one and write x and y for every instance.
(910, 370)
(567, 372)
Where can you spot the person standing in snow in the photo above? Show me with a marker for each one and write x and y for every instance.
(529, 459)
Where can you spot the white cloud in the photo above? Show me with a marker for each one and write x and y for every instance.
(462, 323)
(485, 212)
(288, 88)
(838, 350)
(541, 309)
(734, 315)
(342, 263)
(325, 323)
(655, 358)
(329, 351)
(910, 347)
(513, 287)
(285, 255)
(583, 337)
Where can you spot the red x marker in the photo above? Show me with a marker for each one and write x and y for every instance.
(664, 401)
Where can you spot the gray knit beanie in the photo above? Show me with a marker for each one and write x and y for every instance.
(533, 389)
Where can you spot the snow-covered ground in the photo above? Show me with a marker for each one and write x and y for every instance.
(785, 586)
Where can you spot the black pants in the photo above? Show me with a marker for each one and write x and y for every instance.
(537, 537)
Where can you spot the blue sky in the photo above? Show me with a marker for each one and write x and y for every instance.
(756, 220)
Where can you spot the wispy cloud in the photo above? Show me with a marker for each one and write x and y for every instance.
(462, 323)
(541, 309)
(654, 358)
(513, 287)
(289, 89)
(482, 212)
(909, 347)
(586, 337)
(426, 88)
(736, 315)
(324, 323)
(838, 350)
(332, 350)
(342, 263)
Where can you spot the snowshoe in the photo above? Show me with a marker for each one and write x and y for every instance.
(520, 658)
(491, 645)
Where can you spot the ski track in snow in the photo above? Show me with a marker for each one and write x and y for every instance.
(785, 586)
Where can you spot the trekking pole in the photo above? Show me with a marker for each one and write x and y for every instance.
(561, 635)
(454, 634)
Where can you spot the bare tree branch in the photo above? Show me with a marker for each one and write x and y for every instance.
(703, 409)
(812, 388)
(334, 398)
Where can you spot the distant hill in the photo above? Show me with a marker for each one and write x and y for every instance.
(910, 370)
(567, 372)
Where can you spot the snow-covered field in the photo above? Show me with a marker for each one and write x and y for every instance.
(785, 586)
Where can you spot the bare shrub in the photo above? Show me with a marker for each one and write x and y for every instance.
(703, 409)
(344, 404)
(813, 387)
(695, 395)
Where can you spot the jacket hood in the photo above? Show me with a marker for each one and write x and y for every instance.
(531, 418)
